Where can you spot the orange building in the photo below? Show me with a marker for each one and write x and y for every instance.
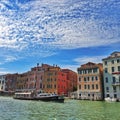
(90, 81)
(21, 82)
(55, 81)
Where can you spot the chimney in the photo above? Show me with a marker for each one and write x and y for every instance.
(37, 64)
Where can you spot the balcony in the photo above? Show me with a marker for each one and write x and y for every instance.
(114, 73)
(116, 83)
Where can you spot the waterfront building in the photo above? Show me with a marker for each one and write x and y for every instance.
(36, 77)
(2, 83)
(111, 66)
(71, 80)
(55, 81)
(44, 78)
(11, 80)
(22, 82)
(90, 78)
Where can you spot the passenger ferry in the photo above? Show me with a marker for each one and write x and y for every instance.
(40, 96)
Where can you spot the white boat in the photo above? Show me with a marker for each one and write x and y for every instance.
(108, 99)
(40, 96)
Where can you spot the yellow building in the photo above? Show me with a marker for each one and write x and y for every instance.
(90, 86)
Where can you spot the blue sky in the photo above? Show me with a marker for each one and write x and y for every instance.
(63, 32)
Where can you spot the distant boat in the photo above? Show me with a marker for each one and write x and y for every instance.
(108, 99)
(40, 96)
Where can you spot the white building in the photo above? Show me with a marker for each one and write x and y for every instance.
(2, 82)
(111, 66)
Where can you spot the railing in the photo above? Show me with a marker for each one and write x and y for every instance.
(116, 83)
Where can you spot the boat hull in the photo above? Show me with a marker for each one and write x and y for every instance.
(46, 99)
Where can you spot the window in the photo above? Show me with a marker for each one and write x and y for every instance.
(85, 79)
(88, 78)
(107, 95)
(89, 71)
(79, 71)
(2, 82)
(95, 70)
(105, 62)
(112, 61)
(106, 70)
(107, 89)
(79, 79)
(114, 89)
(85, 87)
(106, 80)
(79, 86)
(92, 78)
(115, 95)
(96, 86)
(88, 87)
(114, 80)
(118, 68)
(96, 77)
(113, 69)
(118, 60)
(92, 86)
(48, 80)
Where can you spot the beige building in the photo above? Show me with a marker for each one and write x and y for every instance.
(90, 81)
(111, 66)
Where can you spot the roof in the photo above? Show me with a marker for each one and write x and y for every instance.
(90, 65)
(113, 55)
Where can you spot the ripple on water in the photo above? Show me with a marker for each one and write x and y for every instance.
(11, 109)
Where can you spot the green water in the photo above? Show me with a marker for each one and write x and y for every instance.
(11, 109)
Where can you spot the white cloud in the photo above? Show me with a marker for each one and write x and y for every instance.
(71, 67)
(10, 58)
(3, 71)
(41, 26)
(85, 59)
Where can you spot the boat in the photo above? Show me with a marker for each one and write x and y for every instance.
(41, 96)
(108, 99)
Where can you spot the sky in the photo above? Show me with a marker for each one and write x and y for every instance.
(67, 33)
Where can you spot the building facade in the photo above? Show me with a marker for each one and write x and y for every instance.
(90, 86)
(22, 82)
(11, 80)
(71, 80)
(111, 66)
(55, 80)
(2, 83)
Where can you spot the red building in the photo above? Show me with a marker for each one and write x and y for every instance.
(55, 81)
(71, 80)
(62, 83)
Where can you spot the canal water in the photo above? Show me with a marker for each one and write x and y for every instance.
(11, 109)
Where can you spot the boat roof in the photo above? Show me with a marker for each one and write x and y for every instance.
(23, 93)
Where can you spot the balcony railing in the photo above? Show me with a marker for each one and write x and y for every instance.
(116, 83)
